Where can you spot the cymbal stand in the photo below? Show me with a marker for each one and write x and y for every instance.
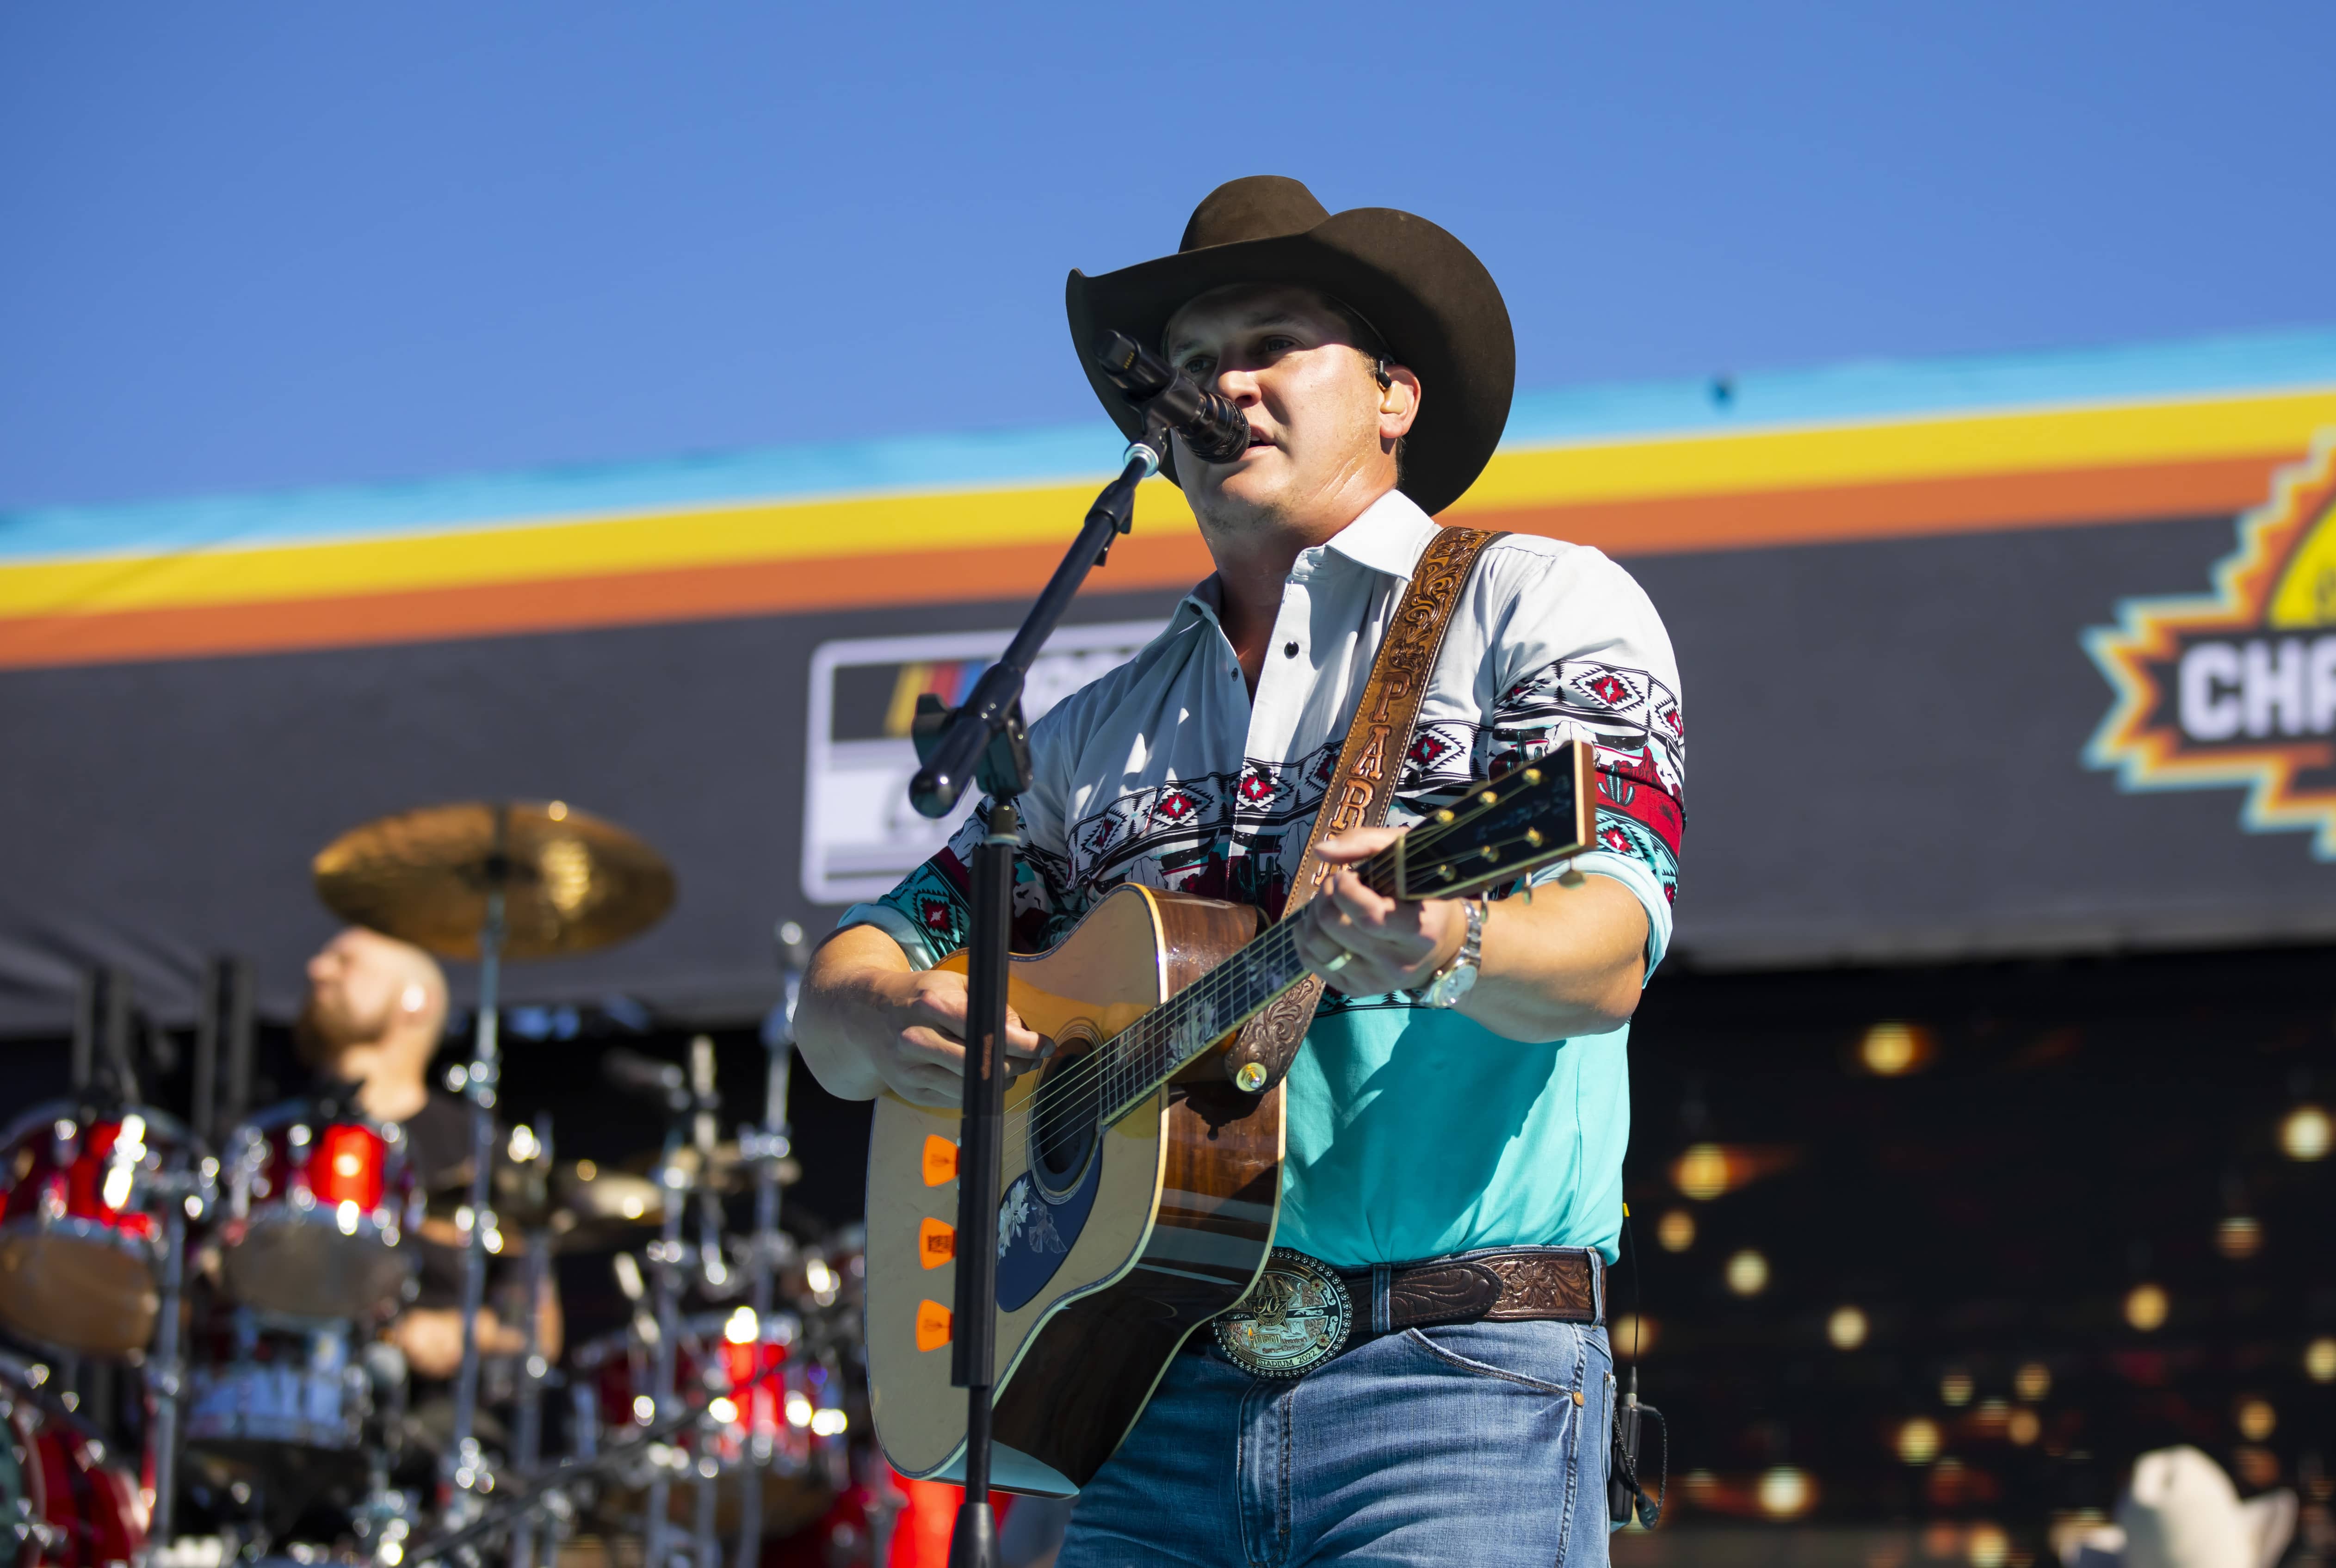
(526, 1442)
(465, 1467)
(765, 1146)
(666, 1256)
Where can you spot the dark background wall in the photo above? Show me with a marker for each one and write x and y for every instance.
(1884, 762)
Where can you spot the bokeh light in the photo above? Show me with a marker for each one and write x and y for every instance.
(2306, 1133)
(1955, 1386)
(2254, 1418)
(2320, 1359)
(2239, 1236)
(1675, 1231)
(2032, 1381)
(1702, 1171)
(1633, 1335)
(1748, 1272)
(1847, 1328)
(2022, 1428)
(1891, 1050)
(1918, 1440)
(2146, 1307)
(1786, 1493)
(1987, 1546)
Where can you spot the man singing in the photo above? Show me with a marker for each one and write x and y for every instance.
(1462, 1091)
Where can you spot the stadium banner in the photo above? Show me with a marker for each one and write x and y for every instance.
(2030, 655)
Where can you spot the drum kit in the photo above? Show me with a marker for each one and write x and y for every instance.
(251, 1285)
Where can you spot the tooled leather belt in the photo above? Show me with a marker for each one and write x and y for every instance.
(1302, 1311)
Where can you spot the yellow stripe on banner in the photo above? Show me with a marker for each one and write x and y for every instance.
(612, 547)
(1682, 467)
(1914, 450)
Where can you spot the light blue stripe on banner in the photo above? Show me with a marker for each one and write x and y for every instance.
(1089, 450)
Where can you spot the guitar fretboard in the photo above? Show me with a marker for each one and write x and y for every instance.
(1153, 1049)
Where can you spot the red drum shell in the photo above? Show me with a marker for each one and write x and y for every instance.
(318, 1211)
(79, 1249)
(797, 1488)
(75, 1506)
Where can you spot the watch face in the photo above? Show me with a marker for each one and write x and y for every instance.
(1448, 989)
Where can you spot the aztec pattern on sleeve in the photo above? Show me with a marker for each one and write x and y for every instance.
(1236, 837)
(938, 896)
(1632, 719)
(1239, 837)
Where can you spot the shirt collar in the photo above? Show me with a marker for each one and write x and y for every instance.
(1389, 537)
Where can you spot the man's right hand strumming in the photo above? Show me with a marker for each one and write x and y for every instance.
(866, 1021)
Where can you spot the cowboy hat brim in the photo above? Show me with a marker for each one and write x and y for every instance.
(1425, 293)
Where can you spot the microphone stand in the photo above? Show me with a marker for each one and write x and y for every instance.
(985, 738)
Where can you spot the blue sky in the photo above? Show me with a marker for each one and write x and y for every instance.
(275, 244)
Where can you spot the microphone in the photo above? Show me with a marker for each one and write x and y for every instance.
(646, 1076)
(1211, 425)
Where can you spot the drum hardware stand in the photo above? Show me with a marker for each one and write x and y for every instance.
(685, 1110)
(545, 1492)
(185, 1194)
(765, 1146)
(984, 741)
(222, 1066)
(528, 1440)
(465, 1466)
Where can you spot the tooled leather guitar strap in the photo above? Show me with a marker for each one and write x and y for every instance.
(1369, 765)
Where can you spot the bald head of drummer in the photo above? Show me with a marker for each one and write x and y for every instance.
(376, 1010)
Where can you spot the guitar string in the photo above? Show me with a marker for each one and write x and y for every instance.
(1107, 1076)
(1177, 1011)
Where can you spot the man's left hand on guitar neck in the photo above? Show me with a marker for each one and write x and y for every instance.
(1570, 962)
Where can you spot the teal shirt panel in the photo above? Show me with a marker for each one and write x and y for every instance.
(1415, 1132)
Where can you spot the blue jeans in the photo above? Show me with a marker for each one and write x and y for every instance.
(1483, 1444)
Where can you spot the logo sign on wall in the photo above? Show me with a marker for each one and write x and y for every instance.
(860, 835)
(2236, 688)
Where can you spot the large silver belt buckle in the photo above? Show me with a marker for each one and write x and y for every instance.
(1294, 1319)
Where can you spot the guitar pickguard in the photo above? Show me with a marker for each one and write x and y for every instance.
(1035, 1235)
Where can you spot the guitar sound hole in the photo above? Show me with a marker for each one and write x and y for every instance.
(1062, 1126)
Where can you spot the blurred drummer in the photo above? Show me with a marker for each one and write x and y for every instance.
(376, 1014)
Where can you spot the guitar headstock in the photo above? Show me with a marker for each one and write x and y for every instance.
(1522, 820)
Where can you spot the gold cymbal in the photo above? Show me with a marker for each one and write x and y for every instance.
(571, 882)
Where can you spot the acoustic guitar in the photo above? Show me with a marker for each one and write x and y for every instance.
(1139, 1186)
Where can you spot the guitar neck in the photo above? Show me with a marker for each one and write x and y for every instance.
(1159, 1045)
(1502, 830)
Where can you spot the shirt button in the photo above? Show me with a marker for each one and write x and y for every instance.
(1289, 650)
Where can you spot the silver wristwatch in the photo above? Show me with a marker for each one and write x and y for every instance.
(1447, 985)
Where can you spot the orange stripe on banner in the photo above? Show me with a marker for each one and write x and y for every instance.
(1741, 520)
(572, 604)
(1981, 503)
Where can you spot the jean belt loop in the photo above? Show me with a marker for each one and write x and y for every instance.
(1598, 1285)
(1382, 1297)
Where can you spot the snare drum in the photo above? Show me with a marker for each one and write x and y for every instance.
(66, 1502)
(317, 1206)
(80, 1247)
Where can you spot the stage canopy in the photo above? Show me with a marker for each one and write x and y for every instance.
(2014, 656)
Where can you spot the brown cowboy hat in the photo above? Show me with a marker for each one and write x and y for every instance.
(1425, 295)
